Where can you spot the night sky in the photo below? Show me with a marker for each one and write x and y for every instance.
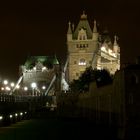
(40, 27)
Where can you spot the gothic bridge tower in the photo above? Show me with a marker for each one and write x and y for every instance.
(82, 43)
(87, 47)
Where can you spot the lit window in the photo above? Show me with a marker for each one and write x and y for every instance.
(82, 62)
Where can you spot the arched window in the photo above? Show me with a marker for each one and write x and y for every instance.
(82, 62)
(82, 34)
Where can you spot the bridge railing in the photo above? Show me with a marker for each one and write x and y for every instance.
(19, 98)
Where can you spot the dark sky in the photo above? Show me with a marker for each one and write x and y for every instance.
(39, 28)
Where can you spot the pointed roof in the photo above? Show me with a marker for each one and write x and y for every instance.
(115, 41)
(33, 60)
(55, 60)
(83, 23)
(69, 28)
(95, 27)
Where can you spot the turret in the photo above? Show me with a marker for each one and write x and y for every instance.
(83, 16)
(69, 33)
(95, 33)
(115, 45)
(73, 27)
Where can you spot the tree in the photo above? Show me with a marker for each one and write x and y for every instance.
(101, 77)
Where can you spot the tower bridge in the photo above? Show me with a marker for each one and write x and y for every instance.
(39, 83)
(42, 78)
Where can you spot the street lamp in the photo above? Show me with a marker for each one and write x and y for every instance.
(12, 84)
(5, 82)
(17, 88)
(43, 88)
(7, 88)
(33, 85)
(25, 88)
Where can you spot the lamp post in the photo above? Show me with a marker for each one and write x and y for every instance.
(26, 89)
(43, 88)
(17, 88)
(33, 85)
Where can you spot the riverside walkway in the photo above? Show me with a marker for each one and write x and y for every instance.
(54, 128)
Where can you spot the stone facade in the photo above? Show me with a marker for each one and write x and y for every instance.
(88, 47)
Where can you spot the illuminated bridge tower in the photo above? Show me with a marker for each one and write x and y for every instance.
(40, 70)
(87, 47)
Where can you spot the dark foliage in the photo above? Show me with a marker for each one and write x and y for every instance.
(101, 77)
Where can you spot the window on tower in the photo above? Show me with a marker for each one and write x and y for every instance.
(82, 62)
(82, 34)
(82, 46)
(80, 37)
(84, 37)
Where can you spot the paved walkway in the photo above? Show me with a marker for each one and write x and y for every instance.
(52, 128)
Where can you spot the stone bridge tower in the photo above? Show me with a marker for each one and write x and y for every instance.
(86, 47)
(82, 43)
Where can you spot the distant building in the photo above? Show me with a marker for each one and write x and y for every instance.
(87, 47)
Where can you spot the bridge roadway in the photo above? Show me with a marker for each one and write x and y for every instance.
(51, 127)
